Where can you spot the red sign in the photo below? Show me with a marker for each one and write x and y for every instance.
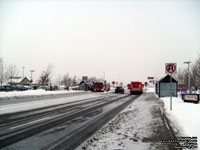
(170, 68)
(113, 82)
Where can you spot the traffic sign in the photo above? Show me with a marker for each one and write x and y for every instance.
(113, 82)
(170, 68)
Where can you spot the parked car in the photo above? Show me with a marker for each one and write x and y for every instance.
(6, 88)
(35, 87)
(66, 88)
(23, 88)
(43, 87)
(55, 88)
(119, 89)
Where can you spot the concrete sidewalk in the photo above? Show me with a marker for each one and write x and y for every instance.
(141, 126)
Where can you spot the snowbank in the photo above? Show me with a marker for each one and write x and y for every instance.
(184, 117)
(18, 107)
(29, 93)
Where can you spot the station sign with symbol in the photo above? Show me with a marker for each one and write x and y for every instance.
(170, 68)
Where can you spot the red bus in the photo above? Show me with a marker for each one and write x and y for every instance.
(136, 87)
(99, 87)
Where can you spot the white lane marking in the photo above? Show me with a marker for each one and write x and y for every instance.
(29, 123)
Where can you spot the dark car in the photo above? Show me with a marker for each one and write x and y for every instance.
(55, 88)
(66, 88)
(119, 89)
(22, 88)
(6, 88)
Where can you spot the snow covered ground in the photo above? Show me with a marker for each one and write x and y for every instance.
(185, 117)
(128, 130)
(11, 108)
(30, 93)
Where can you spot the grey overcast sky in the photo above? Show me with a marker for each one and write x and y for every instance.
(126, 39)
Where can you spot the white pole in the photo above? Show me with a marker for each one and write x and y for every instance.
(170, 92)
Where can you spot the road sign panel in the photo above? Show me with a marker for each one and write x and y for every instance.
(170, 68)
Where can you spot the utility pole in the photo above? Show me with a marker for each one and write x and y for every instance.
(188, 62)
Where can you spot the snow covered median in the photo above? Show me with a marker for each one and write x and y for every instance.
(30, 93)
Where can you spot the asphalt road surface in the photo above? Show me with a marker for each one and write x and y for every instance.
(62, 126)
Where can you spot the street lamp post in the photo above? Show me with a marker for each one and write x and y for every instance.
(32, 74)
(188, 62)
(23, 71)
(104, 75)
(74, 80)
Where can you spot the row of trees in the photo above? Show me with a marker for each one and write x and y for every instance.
(7, 71)
(194, 75)
(45, 78)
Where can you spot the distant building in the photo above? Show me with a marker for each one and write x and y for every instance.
(85, 85)
(20, 81)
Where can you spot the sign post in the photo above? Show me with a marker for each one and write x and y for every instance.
(171, 92)
(170, 68)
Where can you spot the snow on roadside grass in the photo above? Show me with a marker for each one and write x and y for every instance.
(185, 116)
(29, 93)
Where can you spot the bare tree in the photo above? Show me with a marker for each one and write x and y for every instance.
(45, 77)
(12, 71)
(3, 71)
(66, 80)
(194, 74)
(74, 81)
(182, 75)
(193, 77)
(197, 67)
(59, 80)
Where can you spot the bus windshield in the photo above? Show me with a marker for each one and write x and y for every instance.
(100, 85)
